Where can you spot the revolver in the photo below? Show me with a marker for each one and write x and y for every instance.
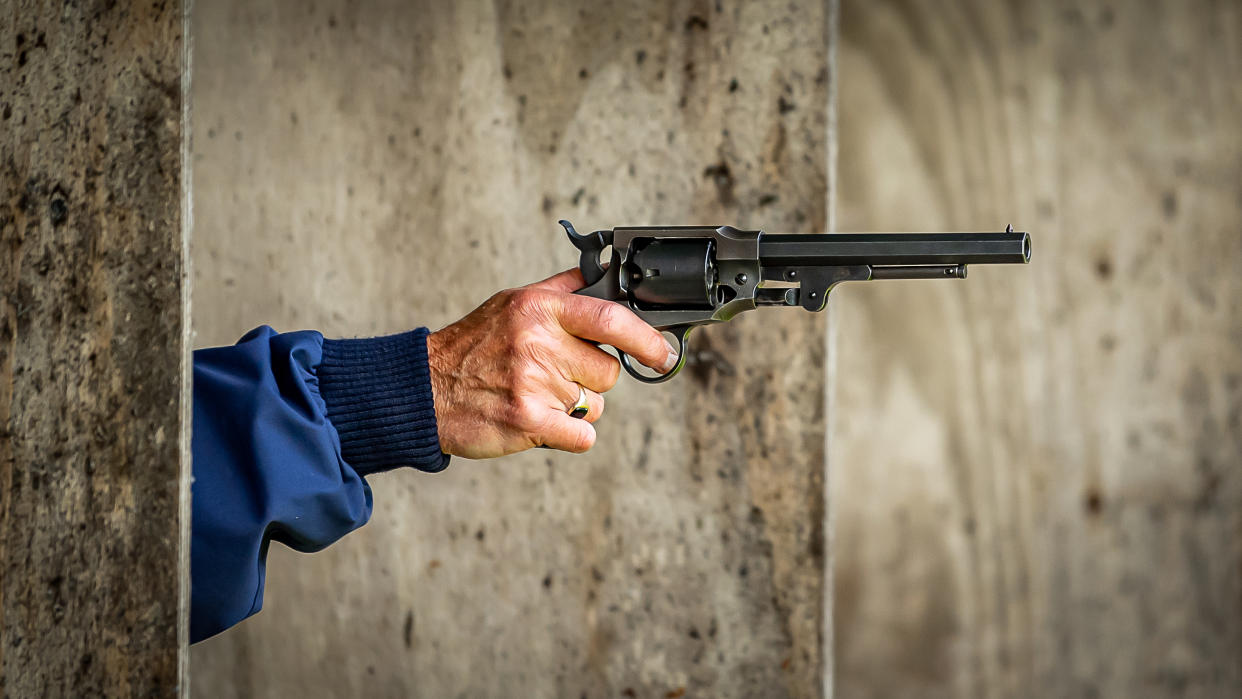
(677, 278)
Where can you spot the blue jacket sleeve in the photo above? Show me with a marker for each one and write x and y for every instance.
(286, 428)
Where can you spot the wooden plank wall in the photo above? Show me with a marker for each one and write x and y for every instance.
(1036, 473)
(93, 349)
(365, 168)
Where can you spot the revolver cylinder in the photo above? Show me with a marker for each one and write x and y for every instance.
(673, 273)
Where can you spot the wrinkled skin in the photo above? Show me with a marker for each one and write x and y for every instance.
(504, 376)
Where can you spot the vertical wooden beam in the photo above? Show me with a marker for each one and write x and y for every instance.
(92, 350)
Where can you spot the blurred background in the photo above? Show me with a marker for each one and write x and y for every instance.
(1024, 484)
(1037, 473)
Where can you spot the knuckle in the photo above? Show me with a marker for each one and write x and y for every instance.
(530, 418)
(525, 343)
(611, 373)
(525, 300)
(520, 413)
(606, 318)
(536, 367)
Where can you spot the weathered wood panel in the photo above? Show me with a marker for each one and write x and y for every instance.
(1036, 472)
(365, 169)
(92, 349)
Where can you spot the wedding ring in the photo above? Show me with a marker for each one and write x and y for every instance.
(581, 408)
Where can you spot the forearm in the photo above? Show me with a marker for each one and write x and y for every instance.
(286, 426)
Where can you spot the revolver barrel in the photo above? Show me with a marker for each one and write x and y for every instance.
(895, 249)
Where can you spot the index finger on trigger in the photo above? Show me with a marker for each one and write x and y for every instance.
(611, 323)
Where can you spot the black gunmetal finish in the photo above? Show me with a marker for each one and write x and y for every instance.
(894, 249)
(919, 272)
(680, 277)
(674, 273)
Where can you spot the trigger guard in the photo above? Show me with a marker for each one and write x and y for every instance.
(681, 333)
(590, 247)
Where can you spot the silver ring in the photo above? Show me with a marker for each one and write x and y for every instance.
(582, 407)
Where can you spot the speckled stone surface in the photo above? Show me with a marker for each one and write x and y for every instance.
(92, 348)
(364, 170)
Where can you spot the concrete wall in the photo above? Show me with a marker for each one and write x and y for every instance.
(1036, 473)
(93, 348)
(366, 168)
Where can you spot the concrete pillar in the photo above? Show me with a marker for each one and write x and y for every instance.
(92, 350)
(1043, 463)
(367, 168)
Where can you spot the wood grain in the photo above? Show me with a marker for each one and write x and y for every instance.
(368, 168)
(92, 350)
(1036, 471)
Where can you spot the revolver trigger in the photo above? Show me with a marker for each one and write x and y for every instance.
(681, 332)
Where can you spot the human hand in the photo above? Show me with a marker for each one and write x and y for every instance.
(504, 377)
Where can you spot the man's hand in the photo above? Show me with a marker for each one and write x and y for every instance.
(504, 376)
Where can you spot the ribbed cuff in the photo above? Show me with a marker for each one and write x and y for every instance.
(378, 394)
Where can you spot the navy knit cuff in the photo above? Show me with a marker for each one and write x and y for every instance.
(378, 394)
